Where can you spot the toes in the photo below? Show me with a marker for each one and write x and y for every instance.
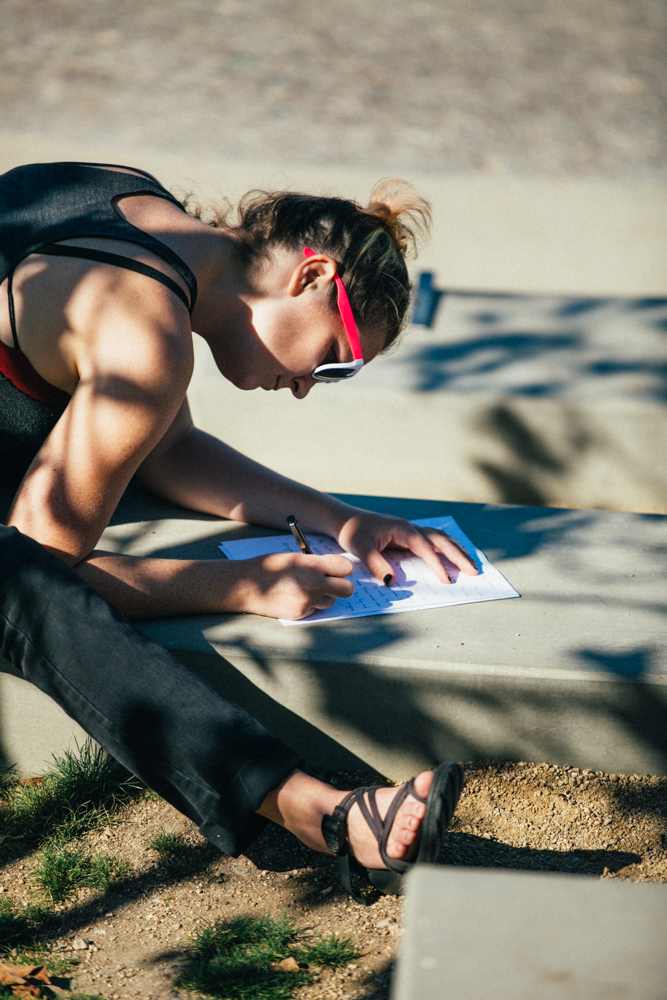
(396, 849)
(403, 837)
(423, 783)
(415, 810)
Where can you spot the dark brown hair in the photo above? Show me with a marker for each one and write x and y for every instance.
(369, 244)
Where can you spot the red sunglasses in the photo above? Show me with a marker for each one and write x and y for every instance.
(336, 371)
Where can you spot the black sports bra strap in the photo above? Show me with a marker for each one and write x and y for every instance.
(10, 303)
(58, 250)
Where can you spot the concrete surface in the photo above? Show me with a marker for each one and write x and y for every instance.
(33, 729)
(512, 399)
(557, 235)
(573, 673)
(563, 87)
(474, 933)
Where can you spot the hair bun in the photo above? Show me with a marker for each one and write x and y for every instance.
(402, 212)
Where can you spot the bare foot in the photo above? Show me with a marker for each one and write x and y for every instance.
(300, 802)
(403, 839)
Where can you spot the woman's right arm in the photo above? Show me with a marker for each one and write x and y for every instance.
(279, 585)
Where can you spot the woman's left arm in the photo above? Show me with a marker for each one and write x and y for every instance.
(196, 470)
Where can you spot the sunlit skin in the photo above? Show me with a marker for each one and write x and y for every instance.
(121, 344)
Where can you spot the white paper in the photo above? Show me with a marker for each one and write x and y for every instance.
(416, 587)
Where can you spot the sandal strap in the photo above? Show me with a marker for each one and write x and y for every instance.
(334, 827)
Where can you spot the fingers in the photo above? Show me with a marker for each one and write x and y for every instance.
(325, 590)
(335, 587)
(429, 545)
(422, 547)
(415, 542)
(332, 565)
(456, 554)
(379, 567)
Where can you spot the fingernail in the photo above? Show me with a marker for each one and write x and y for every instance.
(387, 579)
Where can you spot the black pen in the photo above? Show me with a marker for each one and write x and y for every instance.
(301, 539)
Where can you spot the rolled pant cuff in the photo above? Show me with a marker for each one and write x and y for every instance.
(251, 786)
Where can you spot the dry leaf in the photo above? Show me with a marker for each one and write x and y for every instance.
(18, 976)
(8, 977)
(288, 965)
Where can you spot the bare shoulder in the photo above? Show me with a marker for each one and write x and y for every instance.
(131, 326)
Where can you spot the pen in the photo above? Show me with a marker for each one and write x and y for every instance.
(301, 539)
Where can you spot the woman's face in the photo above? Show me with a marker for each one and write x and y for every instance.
(289, 327)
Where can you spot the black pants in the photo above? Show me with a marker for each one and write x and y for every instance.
(200, 752)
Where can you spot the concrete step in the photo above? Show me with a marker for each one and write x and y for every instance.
(573, 673)
(541, 400)
(499, 935)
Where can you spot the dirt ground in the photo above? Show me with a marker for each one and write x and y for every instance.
(444, 86)
(132, 942)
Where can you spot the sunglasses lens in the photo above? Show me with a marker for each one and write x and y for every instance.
(334, 374)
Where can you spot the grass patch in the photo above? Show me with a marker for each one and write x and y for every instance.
(167, 844)
(21, 939)
(79, 793)
(329, 951)
(61, 870)
(19, 928)
(237, 959)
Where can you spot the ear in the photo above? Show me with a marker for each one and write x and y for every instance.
(313, 274)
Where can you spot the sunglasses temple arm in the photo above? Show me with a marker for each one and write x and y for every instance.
(348, 320)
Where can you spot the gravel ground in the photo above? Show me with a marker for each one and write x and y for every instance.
(131, 943)
(557, 87)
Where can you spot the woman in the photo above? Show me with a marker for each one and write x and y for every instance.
(103, 277)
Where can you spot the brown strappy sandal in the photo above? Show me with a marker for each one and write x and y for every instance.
(441, 802)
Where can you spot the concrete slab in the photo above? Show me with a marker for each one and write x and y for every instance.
(509, 399)
(473, 933)
(33, 729)
(569, 235)
(574, 673)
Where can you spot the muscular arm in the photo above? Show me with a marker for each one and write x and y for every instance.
(127, 406)
(198, 471)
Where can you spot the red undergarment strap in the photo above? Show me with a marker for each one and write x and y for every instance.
(15, 366)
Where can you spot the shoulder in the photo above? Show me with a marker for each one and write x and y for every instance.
(130, 326)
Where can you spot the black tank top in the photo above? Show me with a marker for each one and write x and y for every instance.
(41, 204)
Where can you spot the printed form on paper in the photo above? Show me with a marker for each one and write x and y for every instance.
(416, 587)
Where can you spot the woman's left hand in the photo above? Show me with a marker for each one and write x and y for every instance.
(367, 535)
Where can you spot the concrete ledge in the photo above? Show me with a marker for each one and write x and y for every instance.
(33, 729)
(573, 673)
(509, 399)
(473, 933)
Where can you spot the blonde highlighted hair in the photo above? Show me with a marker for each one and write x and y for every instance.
(369, 244)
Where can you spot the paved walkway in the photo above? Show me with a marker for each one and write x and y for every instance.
(564, 87)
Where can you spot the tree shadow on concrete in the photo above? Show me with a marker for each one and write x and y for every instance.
(520, 478)
(403, 710)
(497, 351)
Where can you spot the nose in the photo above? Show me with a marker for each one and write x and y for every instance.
(301, 386)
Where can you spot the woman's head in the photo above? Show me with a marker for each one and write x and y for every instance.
(369, 244)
